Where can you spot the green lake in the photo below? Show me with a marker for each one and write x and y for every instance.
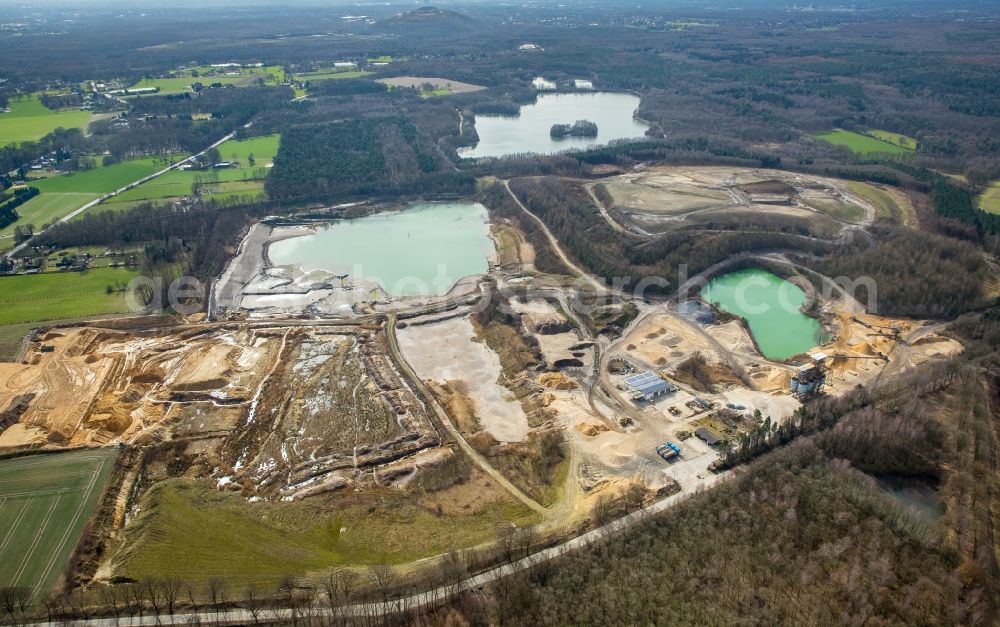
(770, 305)
(420, 251)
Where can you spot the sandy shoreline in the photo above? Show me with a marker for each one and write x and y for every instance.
(254, 285)
(280, 234)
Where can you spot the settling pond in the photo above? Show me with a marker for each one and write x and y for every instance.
(420, 251)
(770, 305)
(529, 131)
(918, 498)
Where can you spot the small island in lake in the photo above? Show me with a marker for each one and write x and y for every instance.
(580, 128)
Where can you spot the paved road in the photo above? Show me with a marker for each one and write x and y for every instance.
(92, 203)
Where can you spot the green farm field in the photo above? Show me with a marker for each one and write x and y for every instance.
(989, 200)
(181, 82)
(175, 185)
(114, 205)
(47, 208)
(29, 120)
(60, 295)
(45, 502)
(228, 190)
(11, 336)
(863, 145)
(322, 75)
(682, 24)
(103, 179)
(203, 70)
(178, 183)
(894, 138)
(192, 531)
(65, 193)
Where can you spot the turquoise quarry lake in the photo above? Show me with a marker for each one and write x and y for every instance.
(770, 305)
(422, 250)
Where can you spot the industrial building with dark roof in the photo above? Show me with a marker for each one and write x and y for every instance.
(646, 386)
(707, 436)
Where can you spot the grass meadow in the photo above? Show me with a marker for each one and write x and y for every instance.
(894, 138)
(182, 80)
(58, 295)
(192, 531)
(863, 145)
(30, 120)
(64, 193)
(989, 200)
(242, 181)
(322, 75)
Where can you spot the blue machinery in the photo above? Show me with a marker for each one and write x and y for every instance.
(668, 450)
(810, 378)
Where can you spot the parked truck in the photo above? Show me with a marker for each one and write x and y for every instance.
(668, 451)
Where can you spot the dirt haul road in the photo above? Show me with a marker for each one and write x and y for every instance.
(445, 421)
(554, 243)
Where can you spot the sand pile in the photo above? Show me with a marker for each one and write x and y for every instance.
(546, 323)
(590, 429)
(333, 483)
(460, 406)
(116, 422)
(557, 381)
(777, 378)
(864, 348)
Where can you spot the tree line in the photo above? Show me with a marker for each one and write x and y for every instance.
(8, 208)
(15, 156)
